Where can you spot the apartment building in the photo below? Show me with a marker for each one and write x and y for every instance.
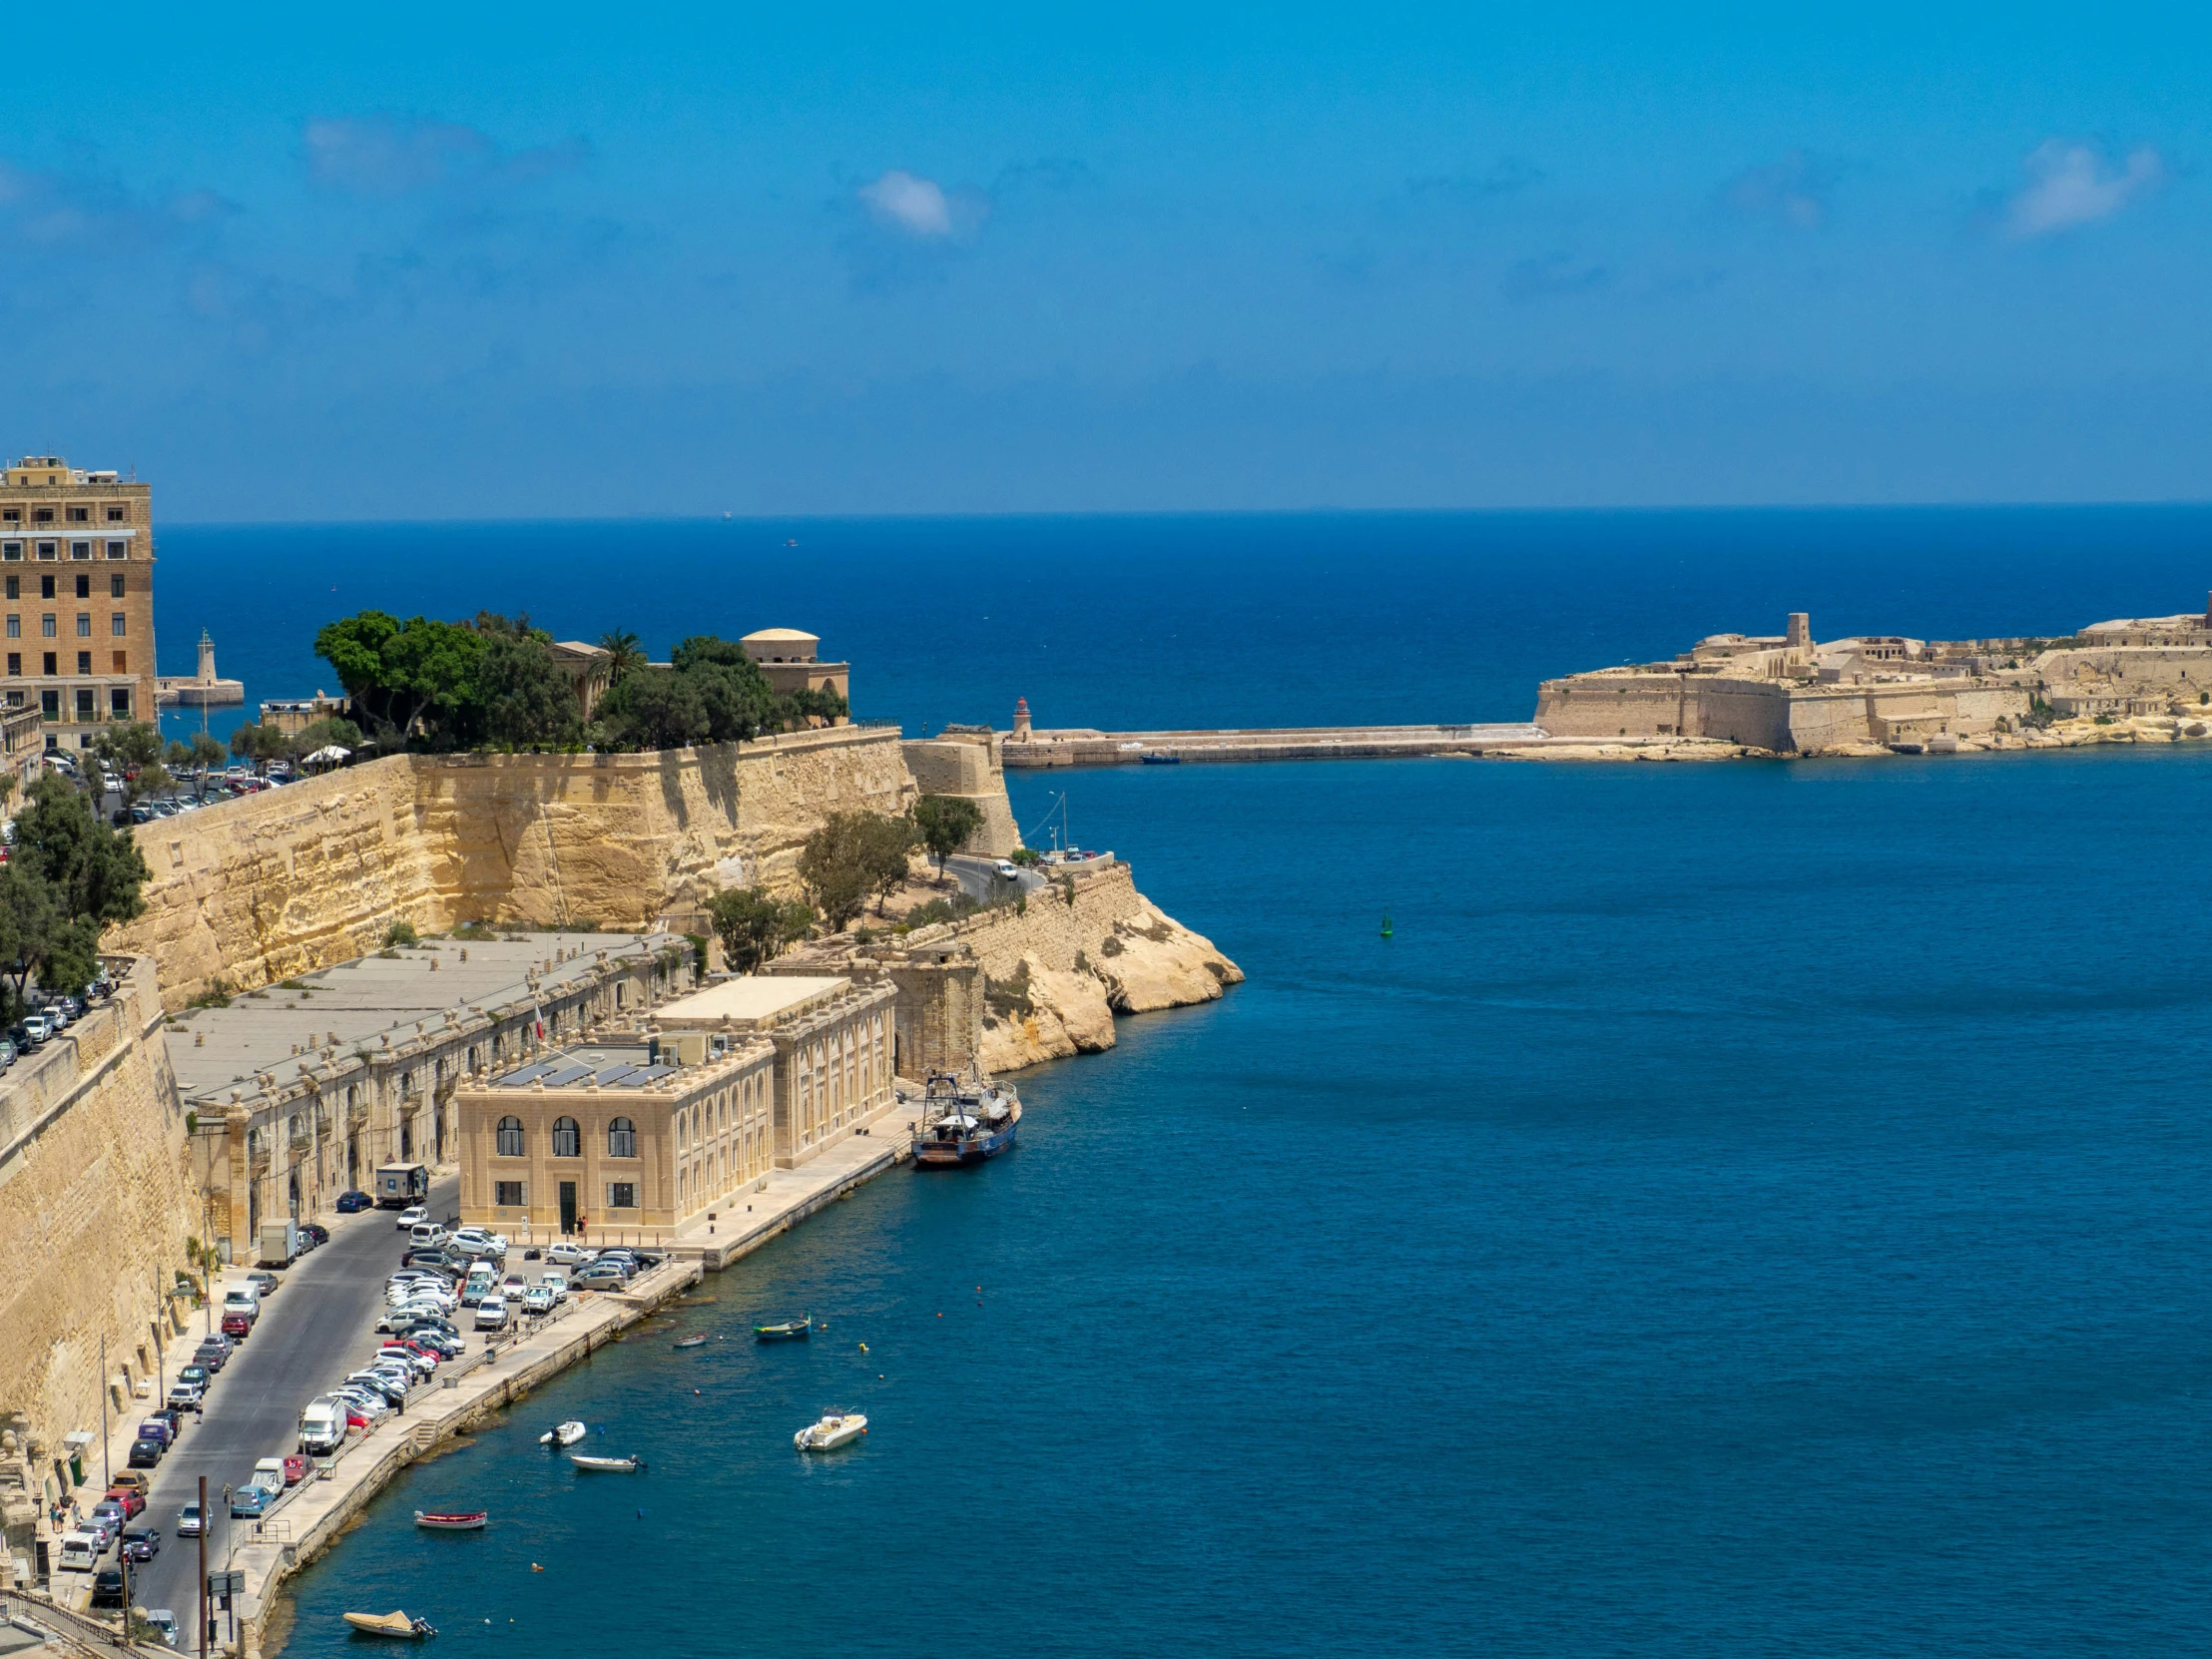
(77, 567)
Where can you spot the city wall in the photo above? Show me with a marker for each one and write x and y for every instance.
(96, 1204)
(250, 892)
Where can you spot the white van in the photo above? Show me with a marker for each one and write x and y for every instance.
(242, 1299)
(427, 1234)
(81, 1552)
(269, 1474)
(322, 1426)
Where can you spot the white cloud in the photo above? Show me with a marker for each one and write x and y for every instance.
(910, 203)
(2069, 184)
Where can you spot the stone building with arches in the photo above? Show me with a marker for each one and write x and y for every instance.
(649, 1132)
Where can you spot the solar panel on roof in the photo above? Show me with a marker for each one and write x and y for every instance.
(614, 1075)
(566, 1076)
(643, 1075)
(515, 1078)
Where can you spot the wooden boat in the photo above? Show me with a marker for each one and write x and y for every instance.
(693, 1342)
(566, 1434)
(452, 1520)
(1159, 757)
(790, 1331)
(612, 1466)
(394, 1623)
(964, 1125)
(836, 1428)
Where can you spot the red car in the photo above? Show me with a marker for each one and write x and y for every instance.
(236, 1327)
(296, 1471)
(132, 1502)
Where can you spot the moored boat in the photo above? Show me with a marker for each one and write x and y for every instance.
(615, 1466)
(693, 1342)
(451, 1520)
(790, 1331)
(564, 1434)
(962, 1124)
(394, 1623)
(836, 1428)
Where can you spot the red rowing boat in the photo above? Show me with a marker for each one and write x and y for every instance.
(452, 1520)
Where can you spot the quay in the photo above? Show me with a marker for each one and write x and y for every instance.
(1028, 749)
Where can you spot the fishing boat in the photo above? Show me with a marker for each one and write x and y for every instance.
(390, 1624)
(693, 1342)
(565, 1434)
(790, 1331)
(1160, 758)
(608, 1466)
(835, 1429)
(963, 1123)
(451, 1520)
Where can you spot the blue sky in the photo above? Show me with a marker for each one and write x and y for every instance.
(481, 261)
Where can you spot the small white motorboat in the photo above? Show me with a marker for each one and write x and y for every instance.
(835, 1429)
(390, 1624)
(451, 1520)
(617, 1465)
(566, 1433)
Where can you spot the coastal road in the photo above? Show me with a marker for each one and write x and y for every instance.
(312, 1330)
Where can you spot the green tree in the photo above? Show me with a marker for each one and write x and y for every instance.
(135, 750)
(884, 845)
(653, 708)
(208, 753)
(839, 865)
(260, 744)
(330, 731)
(944, 823)
(624, 654)
(753, 927)
(70, 876)
(402, 674)
(525, 699)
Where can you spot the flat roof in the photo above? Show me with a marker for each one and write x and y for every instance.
(218, 1050)
(748, 999)
(610, 1066)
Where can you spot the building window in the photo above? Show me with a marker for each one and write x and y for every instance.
(15, 699)
(118, 514)
(47, 627)
(80, 516)
(48, 549)
(80, 550)
(622, 1139)
(11, 515)
(11, 550)
(84, 623)
(50, 699)
(568, 1140)
(42, 515)
(86, 709)
(15, 626)
(507, 1193)
(84, 664)
(50, 661)
(15, 665)
(622, 1195)
(116, 588)
(46, 587)
(115, 624)
(84, 587)
(119, 698)
(511, 1137)
(119, 550)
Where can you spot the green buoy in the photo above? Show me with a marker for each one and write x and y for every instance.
(1385, 925)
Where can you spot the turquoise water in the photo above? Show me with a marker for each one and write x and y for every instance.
(1744, 1209)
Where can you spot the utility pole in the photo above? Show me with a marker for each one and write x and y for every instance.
(203, 1567)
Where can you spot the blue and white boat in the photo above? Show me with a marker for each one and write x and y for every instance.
(964, 1124)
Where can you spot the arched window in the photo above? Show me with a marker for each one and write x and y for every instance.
(511, 1137)
(622, 1139)
(568, 1140)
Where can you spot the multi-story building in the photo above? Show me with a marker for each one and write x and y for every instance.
(77, 567)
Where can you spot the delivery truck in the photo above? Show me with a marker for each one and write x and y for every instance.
(401, 1185)
(279, 1242)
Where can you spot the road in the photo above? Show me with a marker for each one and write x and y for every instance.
(312, 1332)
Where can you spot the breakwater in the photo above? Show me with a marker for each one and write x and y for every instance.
(1082, 746)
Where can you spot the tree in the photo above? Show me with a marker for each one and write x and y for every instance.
(884, 845)
(653, 708)
(71, 875)
(944, 823)
(753, 927)
(135, 750)
(525, 699)
(399, 673)
(207, 754)
(332, 731)
(624, 654)
(839, 865)
(260, 744)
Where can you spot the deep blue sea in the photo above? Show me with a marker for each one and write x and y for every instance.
(1744, 1210)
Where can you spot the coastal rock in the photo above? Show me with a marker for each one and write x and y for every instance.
(1042, 1013)
(1153, 961)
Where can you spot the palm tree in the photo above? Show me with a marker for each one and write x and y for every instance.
(624, 654)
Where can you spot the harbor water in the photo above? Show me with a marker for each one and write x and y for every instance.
(1743, 1209)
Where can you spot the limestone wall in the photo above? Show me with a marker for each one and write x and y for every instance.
(971, 767)
(96, 1203)
(254, 891)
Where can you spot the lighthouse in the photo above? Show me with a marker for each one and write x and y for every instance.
(1021, 720)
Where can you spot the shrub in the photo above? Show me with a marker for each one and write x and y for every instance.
(400, 933)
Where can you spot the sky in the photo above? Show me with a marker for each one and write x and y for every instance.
(482, 262)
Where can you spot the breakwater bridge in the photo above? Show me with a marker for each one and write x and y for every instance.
(1030, 748)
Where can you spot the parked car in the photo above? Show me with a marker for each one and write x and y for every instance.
(352, 1203)
(110, 1515)
(567, 1255)
(556, 1285)
(7, 1053)
(296, 1471)
(142, 1543)
(266, 1282)
(145, 1455)
(315, 1231)
(492, 1314)
(538, 1300)
(390, 1390)
(412, 1217)
(157, 1429)
(189, 1520)
(107, 1587)
(187, 1396)
(132, 1478)
(162, 1623)
(82, 1550)
(131, 1499)
(196, 1372)
(269, 1474)
(598, 1276)
(213, 1354)
(247, 1502)
(238, 1326)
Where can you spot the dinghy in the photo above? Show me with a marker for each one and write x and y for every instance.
(835, 1429)
(451, 1520)
(693, 1342)
(790, 1331)
(620, 1465)
(566, 1433)
(390, 1624)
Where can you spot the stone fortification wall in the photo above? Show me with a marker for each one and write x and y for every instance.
(1055, 975)
(96, 1204)
(970, 767)
(254, 891)
(1780, 716)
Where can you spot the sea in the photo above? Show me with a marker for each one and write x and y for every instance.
(1738, 1209)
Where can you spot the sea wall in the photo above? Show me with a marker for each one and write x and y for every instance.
(96, 1205)
(1055, 973)
(250, 892)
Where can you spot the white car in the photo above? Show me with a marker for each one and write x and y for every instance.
(492, 1314)
(567, 1255)
(412, 1217)
(538, 1298)
(556, 1283)
(364, 1402)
